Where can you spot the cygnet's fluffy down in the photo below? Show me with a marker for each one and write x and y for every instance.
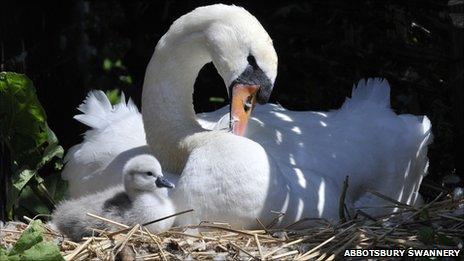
(143, 198)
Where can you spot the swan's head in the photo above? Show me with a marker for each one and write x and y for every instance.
(243, 54)
(236, 43)
(143, 173)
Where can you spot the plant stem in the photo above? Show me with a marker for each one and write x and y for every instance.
(42, 193)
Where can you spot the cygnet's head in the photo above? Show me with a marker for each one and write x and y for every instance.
(143, 173)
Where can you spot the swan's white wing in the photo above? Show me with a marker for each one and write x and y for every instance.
(114, 129)
(364, 139)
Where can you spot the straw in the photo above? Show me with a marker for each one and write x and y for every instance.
(317, 241)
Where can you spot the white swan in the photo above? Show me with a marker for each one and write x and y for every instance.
(294, 163)
(144, 198)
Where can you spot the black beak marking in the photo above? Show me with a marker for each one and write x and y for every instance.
(253, 75)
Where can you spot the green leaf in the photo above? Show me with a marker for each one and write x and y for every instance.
(3, 254)
(31, 236)
(107, 64)
(113, 96)
(30, 204)
(30, 246)
(4, 257)
(24, 133)
(24, 129)
(127, 79)
(19, 181)
(52, 150)
(118, 64)
(46, 251)
(22, 179)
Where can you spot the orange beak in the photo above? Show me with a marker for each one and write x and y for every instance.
(243, 102)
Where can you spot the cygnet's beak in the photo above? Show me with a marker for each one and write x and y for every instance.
(163, 183)
(243, 100)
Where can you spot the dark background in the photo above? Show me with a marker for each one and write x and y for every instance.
(70, 47)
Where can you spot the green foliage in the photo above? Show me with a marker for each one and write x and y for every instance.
(24, 118)
(113, 95)
(116, 69)
(46, 251)
(24, 135)
(31, 246)
(108, 64)
(29, 238)
(127, 79)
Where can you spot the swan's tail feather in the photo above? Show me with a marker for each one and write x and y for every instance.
(97, 111)
(426, 127)
(421, 128)
(373, 90)
(409, 153)
(113, 129)
(426, 140)
(424, 133)
(401, 144)
(94, 109)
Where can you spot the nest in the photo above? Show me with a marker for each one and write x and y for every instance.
(438, 224)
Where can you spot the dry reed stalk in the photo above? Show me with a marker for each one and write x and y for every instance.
(78, 250)
(283, 246)
(391, 200)
(243, 250)
(149, 223)
(258, 244)
(326, 241)
(343, 247)
(126, 239)
(107, 220)
(277, 257)
(163, 256)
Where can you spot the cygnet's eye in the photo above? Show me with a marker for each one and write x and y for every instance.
(149, 173)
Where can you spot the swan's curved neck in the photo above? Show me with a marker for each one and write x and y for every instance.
(167, 103)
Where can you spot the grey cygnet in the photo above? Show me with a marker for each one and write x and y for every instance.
(142, 198)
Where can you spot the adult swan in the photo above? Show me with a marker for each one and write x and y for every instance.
(291, 162)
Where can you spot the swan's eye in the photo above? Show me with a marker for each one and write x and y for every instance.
(248, 103)
(149, 173)
(252, 61)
